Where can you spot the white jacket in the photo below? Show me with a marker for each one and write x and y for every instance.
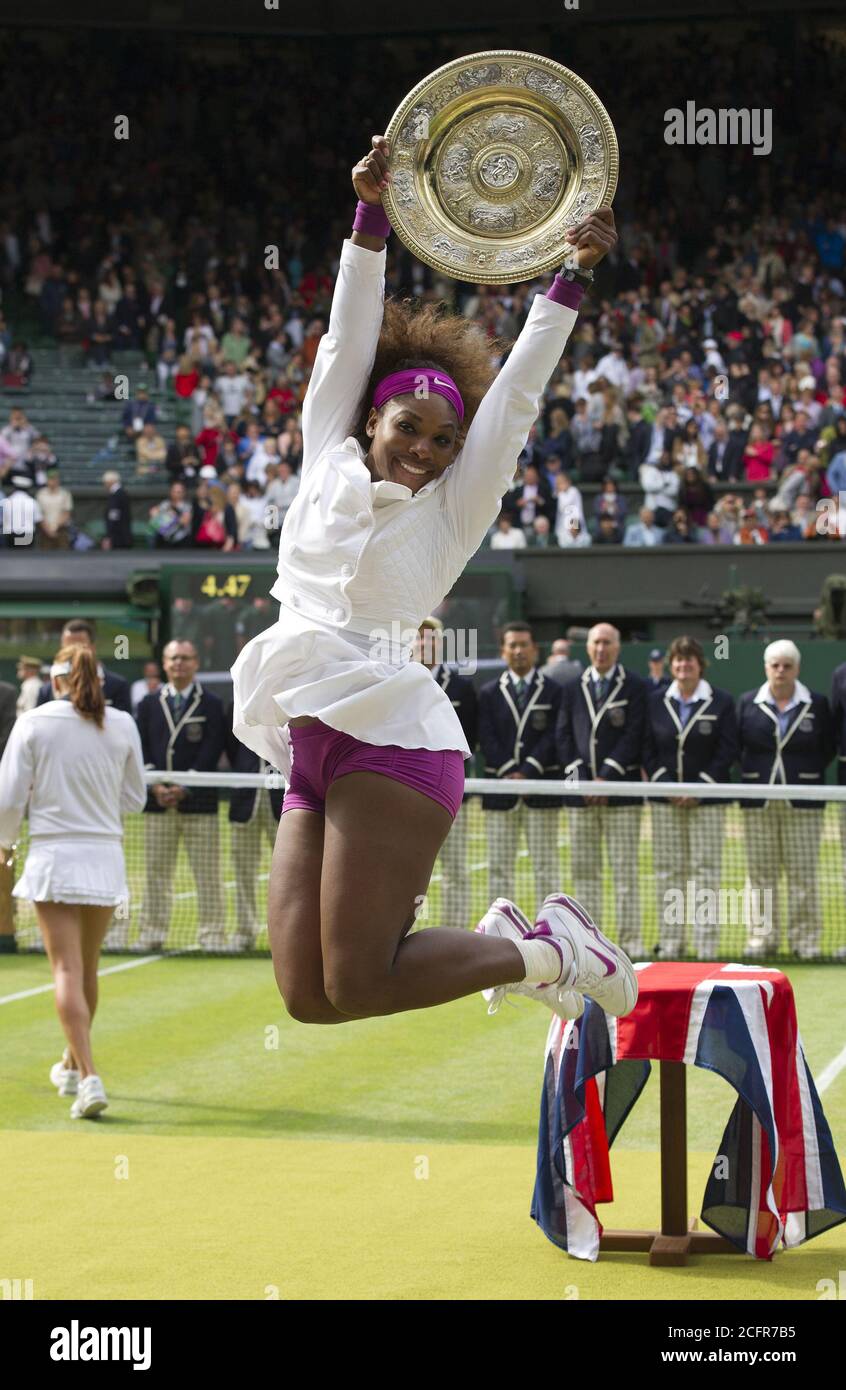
(77, 779)
(358, 558)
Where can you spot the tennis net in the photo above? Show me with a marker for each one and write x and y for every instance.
(724, 871)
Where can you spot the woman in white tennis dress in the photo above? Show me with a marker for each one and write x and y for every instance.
(410, 440)
(74, 766)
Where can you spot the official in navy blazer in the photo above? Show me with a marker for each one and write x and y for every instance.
(182, 729)
(253, 818)
(838, 714)
(517, 716)
(116, 690)
(786, 738)
(691, 736)
(599, 737)
(456, 880)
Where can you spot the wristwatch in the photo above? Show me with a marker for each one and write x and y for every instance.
(571, 270)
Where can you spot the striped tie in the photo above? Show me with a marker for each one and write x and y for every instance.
(521, 694)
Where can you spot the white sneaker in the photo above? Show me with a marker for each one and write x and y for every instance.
(504, 919)
(63, 1077)
(600, 969)
(90, 1100)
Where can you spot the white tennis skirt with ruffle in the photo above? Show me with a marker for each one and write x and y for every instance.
(297, 668)
(87, 870)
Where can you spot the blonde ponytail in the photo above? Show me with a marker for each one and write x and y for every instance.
(82, 682)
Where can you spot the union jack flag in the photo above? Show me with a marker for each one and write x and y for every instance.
(782, 1182)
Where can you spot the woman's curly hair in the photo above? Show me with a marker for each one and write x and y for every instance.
(432, 337)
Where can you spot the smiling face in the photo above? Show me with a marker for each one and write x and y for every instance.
(412, 441)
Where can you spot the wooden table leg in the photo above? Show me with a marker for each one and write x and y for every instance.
(672, 1246)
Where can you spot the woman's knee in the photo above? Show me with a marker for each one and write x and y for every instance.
(352, 992)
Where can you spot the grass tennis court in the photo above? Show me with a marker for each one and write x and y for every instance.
(257, 1170)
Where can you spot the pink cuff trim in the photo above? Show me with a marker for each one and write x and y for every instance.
(371, 219)
(566, 292)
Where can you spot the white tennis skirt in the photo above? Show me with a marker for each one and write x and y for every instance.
(86, 870)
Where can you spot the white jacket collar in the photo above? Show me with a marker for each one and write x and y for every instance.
(801, 696)
(703, 691)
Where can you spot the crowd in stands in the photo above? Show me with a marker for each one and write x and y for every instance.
(703, 390)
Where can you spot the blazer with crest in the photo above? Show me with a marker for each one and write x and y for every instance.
(515, 742)
(606, 740)
(193, 743)
(838, 712)
(703, 751)
(799, 756)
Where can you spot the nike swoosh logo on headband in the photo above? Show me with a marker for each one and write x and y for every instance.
(437, 382)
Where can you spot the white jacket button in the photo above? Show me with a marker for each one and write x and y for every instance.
(346, 570)
(315, 496)
(363, 518)
(338, 615)
(295, 599)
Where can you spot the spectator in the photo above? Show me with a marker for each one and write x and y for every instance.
(782, 528)
(20, 514)
(561, 665)
(148, 684)
(150, 451)
(17, 367)
(696, 496)
(568, 504)
(715, 532)
(608, 531)
(282, 487)
(532, 499)
(101, 337)
(171, 521)
(28, 673)
(137, 413)
(688, 449)
(182, 459)
(15, 441)
(506, 536)
(558, 439)
(751, 531)
(231, 388)
(118, 514)
(661, 484)
(609, 502)
(679, 531)
(40, 459)
(56, 505)
(643, 531)
(573, 533)
(657, 679)
(638, 439)
(541, 535)
(758, 455)
(214, 523)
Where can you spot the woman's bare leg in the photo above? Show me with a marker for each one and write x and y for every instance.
(95, 923)
(62, 931)
(381, 839)
(293, 918)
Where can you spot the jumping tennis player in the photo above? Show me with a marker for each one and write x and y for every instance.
(411, 438)
(78, 764)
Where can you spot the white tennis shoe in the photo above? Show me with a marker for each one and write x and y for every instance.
(91, 1099)
(63, 1077)
(504, 919)
(600, 969)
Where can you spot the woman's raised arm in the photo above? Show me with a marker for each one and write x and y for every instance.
(347, 350)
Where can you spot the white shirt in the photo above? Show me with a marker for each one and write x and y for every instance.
(614, 369)
(231, 391)
(77, 779)
(361, 563)
(515, 539)
(660, 486)
(28, 698)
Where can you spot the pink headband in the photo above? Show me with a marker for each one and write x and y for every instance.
(409, 382)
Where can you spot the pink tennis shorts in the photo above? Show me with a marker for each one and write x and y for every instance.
(321, 754)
